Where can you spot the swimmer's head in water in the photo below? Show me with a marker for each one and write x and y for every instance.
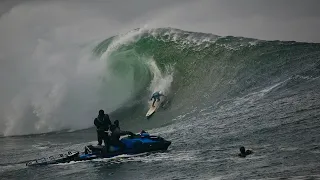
(242, 150)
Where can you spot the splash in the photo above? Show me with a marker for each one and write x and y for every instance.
(161, 81)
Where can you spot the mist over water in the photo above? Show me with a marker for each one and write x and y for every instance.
(50, 78)
(55, 81)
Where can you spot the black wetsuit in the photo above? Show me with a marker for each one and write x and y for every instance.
(115, 136)
(156, 97)
(244, 154)
(102, 124)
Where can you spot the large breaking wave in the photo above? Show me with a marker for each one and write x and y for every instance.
(193, 68)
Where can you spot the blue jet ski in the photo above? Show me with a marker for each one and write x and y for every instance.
(136, 144)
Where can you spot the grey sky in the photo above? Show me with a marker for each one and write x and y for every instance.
(266, 19)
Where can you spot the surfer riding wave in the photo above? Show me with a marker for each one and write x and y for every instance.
(156, 97)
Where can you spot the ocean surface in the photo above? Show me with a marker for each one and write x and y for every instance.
(223, 93)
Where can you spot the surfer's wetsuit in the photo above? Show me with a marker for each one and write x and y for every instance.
(244, 152)
(102, 122)
(156, 97)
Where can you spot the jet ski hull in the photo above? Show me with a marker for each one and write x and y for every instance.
(133, 145)
(61, 158)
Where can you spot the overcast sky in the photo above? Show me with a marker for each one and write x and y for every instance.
(265, 19)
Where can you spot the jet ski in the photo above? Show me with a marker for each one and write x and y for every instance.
(136, 144)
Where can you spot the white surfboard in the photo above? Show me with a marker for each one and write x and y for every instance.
(156, 106)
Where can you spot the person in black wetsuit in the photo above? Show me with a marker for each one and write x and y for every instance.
(102, 122)
(244, 152)
(116, 133)
(156, 97)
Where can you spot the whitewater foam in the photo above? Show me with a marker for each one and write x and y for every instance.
(161, 81)
(123, 39)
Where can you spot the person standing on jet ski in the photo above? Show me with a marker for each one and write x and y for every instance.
(156, 96)
(102, 122)
(116, 133)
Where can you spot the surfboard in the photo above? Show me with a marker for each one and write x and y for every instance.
(156, 106)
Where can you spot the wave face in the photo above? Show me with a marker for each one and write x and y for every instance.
(120, 73)
(196, 68)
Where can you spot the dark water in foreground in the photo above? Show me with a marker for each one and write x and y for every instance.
(281, 125)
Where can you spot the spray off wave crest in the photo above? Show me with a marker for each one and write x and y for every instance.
(193, 68)
(65, 90)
